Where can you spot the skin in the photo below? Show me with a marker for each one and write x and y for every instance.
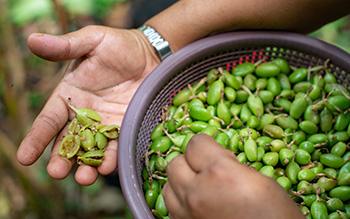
(109, 66)
(207, 178)
(111, 63)
(189, 20)
(103, 78)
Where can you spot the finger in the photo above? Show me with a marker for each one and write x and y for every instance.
(180, 176)
(48, 123)
(69, 46)
(109, 163)
(202, 151)
(172, 203)
(58, 166)
(86, 175)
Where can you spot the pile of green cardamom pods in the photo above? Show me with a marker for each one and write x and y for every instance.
(87, 138)
(291, 124)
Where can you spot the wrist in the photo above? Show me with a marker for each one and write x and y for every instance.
(150, 56)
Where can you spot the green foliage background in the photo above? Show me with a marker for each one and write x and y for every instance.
(26, 81)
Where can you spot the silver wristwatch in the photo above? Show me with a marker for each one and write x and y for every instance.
(160, 45)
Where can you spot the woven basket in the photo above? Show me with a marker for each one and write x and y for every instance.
(191, 64)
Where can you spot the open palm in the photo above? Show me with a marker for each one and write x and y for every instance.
(109, 66)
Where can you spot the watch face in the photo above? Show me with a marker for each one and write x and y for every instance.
(154, 37)
(157, 41)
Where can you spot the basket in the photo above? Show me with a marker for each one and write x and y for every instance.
(191, 64)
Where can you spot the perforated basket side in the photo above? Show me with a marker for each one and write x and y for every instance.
(191, 64)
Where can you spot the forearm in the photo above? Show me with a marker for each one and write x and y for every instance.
(189, 20)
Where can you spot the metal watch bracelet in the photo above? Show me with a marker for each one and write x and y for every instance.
(160, 45)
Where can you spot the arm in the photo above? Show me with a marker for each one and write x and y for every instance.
(189, 20)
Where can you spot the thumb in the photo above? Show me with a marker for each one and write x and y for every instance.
(68, 46)
(202, 151)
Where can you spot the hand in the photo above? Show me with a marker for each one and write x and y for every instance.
(208, 182)
(110, 65)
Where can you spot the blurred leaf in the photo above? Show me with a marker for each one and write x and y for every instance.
(102, 7)
(25, 11)
(35, 62)
(79, 7)
(335, 33)
(108, 199)
(94, 188)
(4, 205)
(36, 100)
(128, 214)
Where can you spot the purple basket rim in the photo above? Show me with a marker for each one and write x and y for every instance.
(164, 72)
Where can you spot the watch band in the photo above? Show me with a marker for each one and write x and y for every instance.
(160, 45)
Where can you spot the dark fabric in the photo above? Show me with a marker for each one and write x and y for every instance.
(142, 10)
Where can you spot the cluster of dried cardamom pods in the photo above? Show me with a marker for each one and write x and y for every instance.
(87, 138)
